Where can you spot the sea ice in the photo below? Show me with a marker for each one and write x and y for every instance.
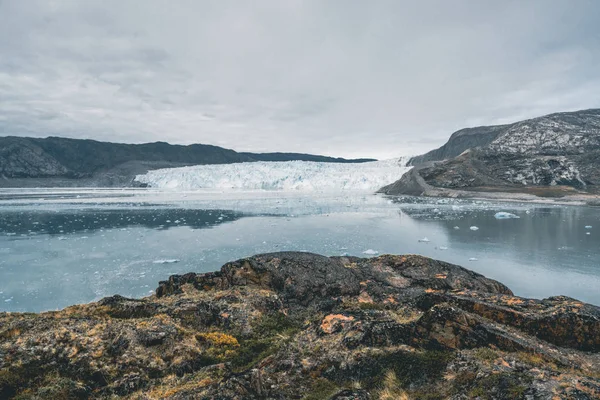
(473, 259)
(457, 227)
(442, 248)
(588, 227)
(424, 240)
(474, 228)
(370, 252)
(505, 215)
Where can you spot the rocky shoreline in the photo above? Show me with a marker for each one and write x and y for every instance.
(413, 184)
(304, 326)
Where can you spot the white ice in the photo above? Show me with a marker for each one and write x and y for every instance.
(370, 252)
(474, 228)
(424, 240)
(167, 261)
(505, 215)
(288, 176)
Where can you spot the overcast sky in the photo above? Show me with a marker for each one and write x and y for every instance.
(345, 78)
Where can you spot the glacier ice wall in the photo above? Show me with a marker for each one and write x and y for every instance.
(286, 176)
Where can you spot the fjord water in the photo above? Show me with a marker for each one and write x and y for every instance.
(62, 247)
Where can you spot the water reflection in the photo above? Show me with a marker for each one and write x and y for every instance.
(555, 237)
(67, 222)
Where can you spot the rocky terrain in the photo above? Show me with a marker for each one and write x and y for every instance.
(55, 161)
(555, 155)
(303, 326)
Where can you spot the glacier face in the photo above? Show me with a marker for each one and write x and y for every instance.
(283, 176)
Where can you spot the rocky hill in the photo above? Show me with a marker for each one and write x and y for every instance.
(303, 326)
(65, 162)
(557, 152)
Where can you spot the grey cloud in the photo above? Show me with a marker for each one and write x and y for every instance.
(347, 78)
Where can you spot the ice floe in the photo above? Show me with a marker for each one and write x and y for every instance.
(166, 261)
(505, 215)
(370, 252)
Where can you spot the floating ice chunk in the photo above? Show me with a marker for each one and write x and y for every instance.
(442, 248)
(424, 240)
(474, 228)
(588, 227)
(62, 238)
(457, 227)
(505, 215)
(8, 300)
(588, 233)
(166, 261)
(370, 252)
(473, 259)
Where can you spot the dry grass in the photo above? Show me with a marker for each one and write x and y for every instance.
(391, 389)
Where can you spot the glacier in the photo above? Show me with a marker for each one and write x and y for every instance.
(279, 176)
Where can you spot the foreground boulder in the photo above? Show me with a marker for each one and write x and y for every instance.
(303, 326)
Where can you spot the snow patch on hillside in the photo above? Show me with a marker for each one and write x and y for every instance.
(287, 176)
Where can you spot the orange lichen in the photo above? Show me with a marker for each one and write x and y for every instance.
(218, 339)
(514, 301)
(330, 322)
(365, 298)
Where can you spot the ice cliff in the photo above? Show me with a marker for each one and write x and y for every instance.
(288, 176)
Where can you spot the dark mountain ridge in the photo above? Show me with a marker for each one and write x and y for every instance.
(89, 162)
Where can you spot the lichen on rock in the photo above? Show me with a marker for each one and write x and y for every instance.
(299, 325)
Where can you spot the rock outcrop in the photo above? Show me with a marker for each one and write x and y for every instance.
(303, 326)
(554, 155)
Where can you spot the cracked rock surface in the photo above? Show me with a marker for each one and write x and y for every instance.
(304, 326)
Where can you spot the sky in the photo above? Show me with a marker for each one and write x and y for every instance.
(338, 77)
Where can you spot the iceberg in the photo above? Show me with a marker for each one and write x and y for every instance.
(505, 215)
(588, 227)
(424, 240)
(370, 252)
(282, 176)
(167, 261)
(474, 228)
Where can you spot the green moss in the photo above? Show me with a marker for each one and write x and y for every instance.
(422, 367)
(270, 332)
(504, 385)
(252, 351)
(486, 354)
(275, 323)
(321, 389)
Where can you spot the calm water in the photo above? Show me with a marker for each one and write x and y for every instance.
(71, 246)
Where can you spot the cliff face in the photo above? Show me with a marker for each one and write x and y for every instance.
(299, 325)
(100, 163)
(555, 151)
